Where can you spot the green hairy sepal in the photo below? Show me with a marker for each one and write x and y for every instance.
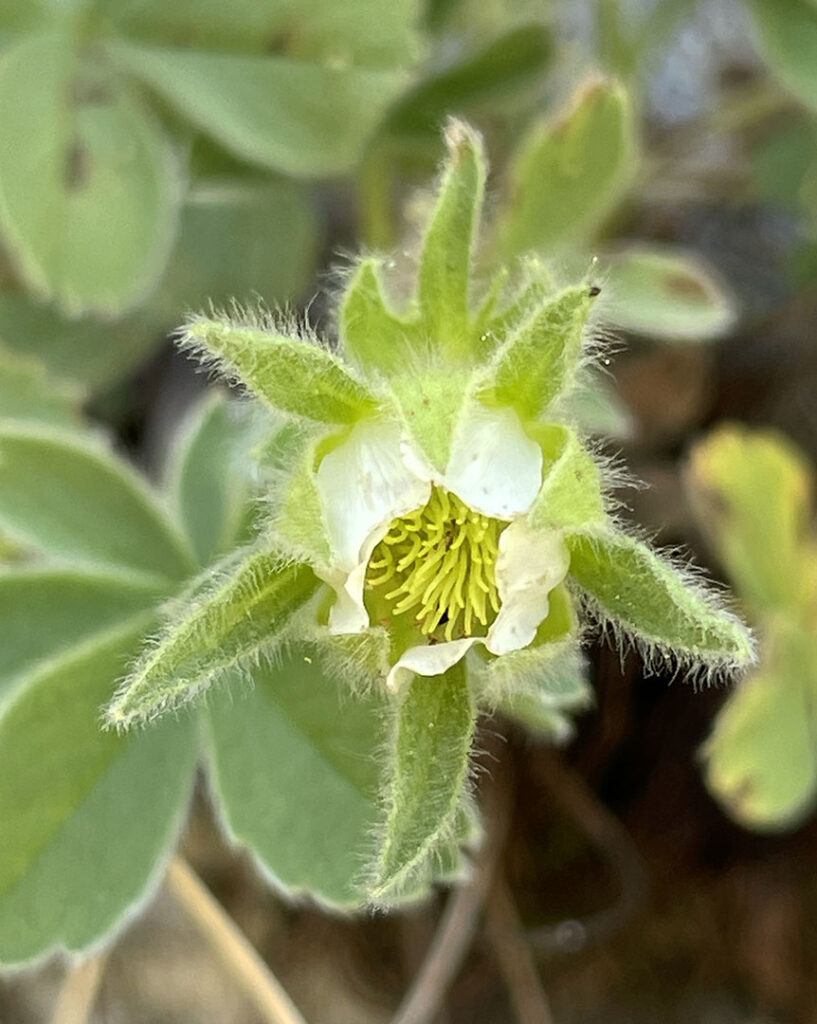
(411, 376)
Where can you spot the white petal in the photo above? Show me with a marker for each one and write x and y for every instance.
(530, 564)
(364, 484)
(494, 466)
(428, 660)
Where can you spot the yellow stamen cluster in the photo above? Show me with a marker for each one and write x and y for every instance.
(440, 563)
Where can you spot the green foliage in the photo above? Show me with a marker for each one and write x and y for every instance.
(370, 332)
(239, 617)
(568, 175)
(538, 361)
(88, 200)
(445, 260)
(70, 498)
(430, 754)
(753, 493)
(27, 394)
(662, 293)
(88, 817)
(787, 35)
(571, 496)
(296, 774)
(629, 586)
(290, 374)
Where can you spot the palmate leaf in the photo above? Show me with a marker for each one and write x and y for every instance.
(303, 118)
(429, 760)
(88, 817)
(89, 188)
(46, 611)
(296, 775)
(631, 587)
(70, 498)
(228, 620)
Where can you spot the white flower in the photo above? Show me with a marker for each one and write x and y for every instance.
(450, 552)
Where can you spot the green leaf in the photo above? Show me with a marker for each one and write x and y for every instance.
(296, 776)
(669, 611)
(669, 295)
(26, 393)
(787, 37)
(356, 32)
(301, 118)
(89, 818)
(531, 294)
(87, 201)
(544, 706)
(45, 612)
(233, 615)
(429, 755)
(539, 360)
(290, 374)
(752, 492)
(77, 502)
(503, 67)
(370, 332)
(239, 239)
(86, 351)
(211, 476)
(571, 496)
(568, 175)
(761, 758)
(445, 260)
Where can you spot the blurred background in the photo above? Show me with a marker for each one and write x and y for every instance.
(658, 854)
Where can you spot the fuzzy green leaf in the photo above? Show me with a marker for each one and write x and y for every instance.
(598, 409)
(302, 118)
(296, 776)
(291, 375)
(787, 35)
(761, 758)
(666, 294)
(370, 332)
(571, 496)
(78, 503)
(630, 586)
(445, 261)
(88, 200)
(545, 706)
(429, 755)
(530, 294)
(539, 361)
(233, 616)
(45, 612)
(568, 175)
(753, 496)
(211, 476)
(89, 817)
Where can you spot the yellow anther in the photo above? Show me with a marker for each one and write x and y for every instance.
(440, 561)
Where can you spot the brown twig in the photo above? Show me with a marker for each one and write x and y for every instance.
(79, 991)
(576, 800)
(232, 946)
(459, 922)
(513, 954)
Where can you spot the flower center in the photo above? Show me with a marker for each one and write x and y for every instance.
(440, 563)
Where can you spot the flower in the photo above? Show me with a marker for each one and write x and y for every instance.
(450, 553)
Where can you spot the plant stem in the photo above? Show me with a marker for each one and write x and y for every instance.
(232, 946)
(459, 921)
(79, 990)
(514, 957)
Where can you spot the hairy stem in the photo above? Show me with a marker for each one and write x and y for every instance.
(232, 946)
